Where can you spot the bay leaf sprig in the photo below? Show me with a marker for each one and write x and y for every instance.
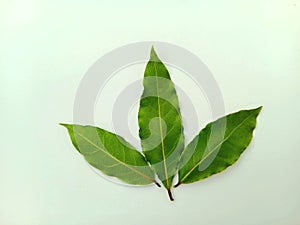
(164, 155)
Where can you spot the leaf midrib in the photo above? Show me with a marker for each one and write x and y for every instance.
(105, 152)
(222, 142)
(160, 127)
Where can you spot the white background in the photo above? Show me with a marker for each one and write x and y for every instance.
(253, 50)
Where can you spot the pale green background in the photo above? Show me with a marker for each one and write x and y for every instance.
(252, 48)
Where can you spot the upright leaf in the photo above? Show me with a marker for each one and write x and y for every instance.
(160, 122)
(200, 159)
(111, 154)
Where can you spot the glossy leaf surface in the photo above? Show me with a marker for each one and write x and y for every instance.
(160, 122)
(218, 146)
(111, 154)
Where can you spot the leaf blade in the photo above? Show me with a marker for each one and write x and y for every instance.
(199, 161)
(111, 154)
(161, 130)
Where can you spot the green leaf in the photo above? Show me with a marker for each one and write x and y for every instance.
(111, 154)
(160, 122)
(218, 146)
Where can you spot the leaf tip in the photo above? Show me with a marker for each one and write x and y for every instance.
(64, 125)
(152, 48)
(258, 109)
(153, 55)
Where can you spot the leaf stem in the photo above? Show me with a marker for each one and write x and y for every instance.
(170, 195)
(176, 185)
(157, 184)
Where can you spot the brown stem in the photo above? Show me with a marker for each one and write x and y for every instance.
(157, 184)
(170, 195)
(176, 185)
